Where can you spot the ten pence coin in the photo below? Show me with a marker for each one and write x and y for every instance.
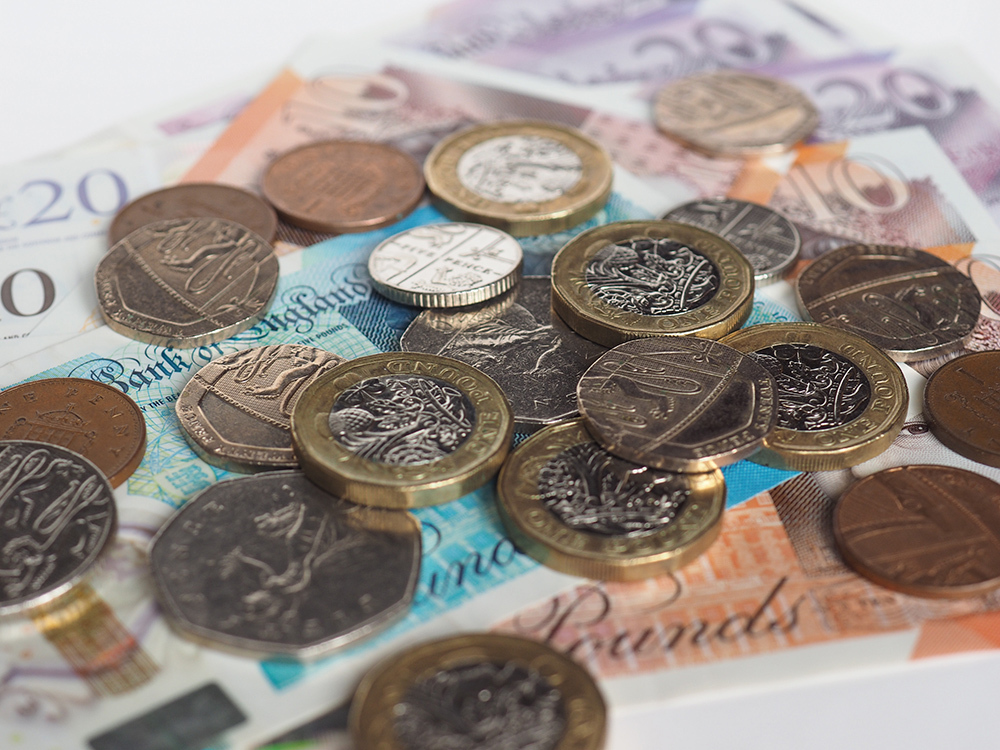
(962, 402)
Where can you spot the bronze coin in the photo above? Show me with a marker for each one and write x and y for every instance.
(929, 531)
(962, 402)
(97, 421)
(343, 186)
(206, 200)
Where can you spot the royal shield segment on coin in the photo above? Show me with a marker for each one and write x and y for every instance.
(446, 265)
(907, 302)
(402, 430)
(521, 176)
(575, 507)
(930, 531)
(95, 420)
(478, 691)
(57, 517)
(343, 186)
(236, 410)
(186, 282)
(515, 339)
(841, 401)
(962, 403)
(273, 565)
(635, 279)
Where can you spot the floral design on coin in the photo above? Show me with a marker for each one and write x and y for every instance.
(519, 169)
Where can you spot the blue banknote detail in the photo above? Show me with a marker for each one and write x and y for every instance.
(768, 311)
(744, 479)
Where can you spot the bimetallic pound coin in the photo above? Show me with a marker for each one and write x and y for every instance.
(515, 339)
(962, 403)
(678, 403)
(732, 113)
(521, 176)
(206, 200)
(635, 279)
(186, 282)
(402, 430)
(446, 265)
(930, 531)
(93, 419)
(57, 517)
(273, 565)
(343, 186)
(576, 508)
(841, 401)
(478, 691)
(907, 302)
(766, 238)
(236, 411)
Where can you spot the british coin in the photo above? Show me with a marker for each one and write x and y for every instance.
(962, 402)
(766, 238)
(521, 176)
(678, 403)
(93, 419)
(635, 279)
(515, 339)
(907, 302)
(343, 186)
(402, 430)
(481, 690)
(236, 411)
(446, 265)
(273, 565)
(57, 517)
(841, 401)
(575, 507)
(734, 113)
(923, 530)
(206, 200)
(186, 282)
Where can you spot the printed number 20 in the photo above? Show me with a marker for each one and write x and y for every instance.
(82, 193)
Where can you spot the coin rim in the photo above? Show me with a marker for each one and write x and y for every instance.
(944, 429)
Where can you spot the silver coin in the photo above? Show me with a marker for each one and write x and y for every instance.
(446, 265)
(768, 240)
(57, 516)
(516, 339)
(272, 564)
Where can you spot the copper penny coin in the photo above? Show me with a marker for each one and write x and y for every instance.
(962, 402)
(97, 421)
(206, 200)
(929, 531)
(343, 186)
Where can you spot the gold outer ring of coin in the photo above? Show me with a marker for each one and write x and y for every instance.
(864, 437)
(341, 472)
(370, 718)
(575, 302)
(544, 537)
(581, 201)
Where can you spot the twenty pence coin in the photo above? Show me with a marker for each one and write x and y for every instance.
(962, 402)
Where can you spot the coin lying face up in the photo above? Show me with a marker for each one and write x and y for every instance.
(271, 564)
(962, 402)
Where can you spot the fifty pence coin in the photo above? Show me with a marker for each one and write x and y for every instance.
(678, 403)
(634, 279)
(273, 565)
(841, 401)
(343, 186)
(907, 302)
(928, 531)
(732, 113)
(236, 410)
(521, 176)
(186, 282)
(766, 238)
(478, 691)
(402, 430)
(576, 508)
(446, 265)
(207, 200)
(515, 339)
(93, 419)
(57, 517)
(962, 403)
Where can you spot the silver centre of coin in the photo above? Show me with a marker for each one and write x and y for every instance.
(519, 169)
